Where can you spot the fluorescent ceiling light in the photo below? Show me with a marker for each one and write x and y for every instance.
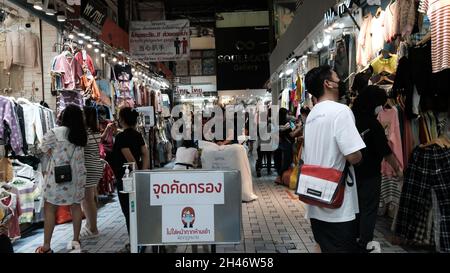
(281, 75)
(319, 45)
(289, 71)
(61, 18)
(50, 8)
(38, 5)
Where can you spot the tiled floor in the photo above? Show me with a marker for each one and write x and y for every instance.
(273, 223)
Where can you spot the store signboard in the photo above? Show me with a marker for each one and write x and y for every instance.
(332, 13)
(187, 189)
(94, 12)
(158, 41)
(184, 224)
(194, 90)
(242, 57)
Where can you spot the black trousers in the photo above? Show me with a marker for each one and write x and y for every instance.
(369, 191)
(335, 237)
(283, 158)
(5, 245)
(261, 155)
(124, 200)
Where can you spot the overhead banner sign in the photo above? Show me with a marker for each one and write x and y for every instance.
(242, 57)
(194, 90)
(94, 12)
(159, 41)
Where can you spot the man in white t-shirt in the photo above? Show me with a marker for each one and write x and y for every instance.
(331, 139)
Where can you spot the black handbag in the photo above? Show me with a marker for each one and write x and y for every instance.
(63, 174)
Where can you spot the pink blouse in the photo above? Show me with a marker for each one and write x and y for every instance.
(67, 66)
(389, 120)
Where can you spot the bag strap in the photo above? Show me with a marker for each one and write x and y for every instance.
(74, 149)
(347, 172)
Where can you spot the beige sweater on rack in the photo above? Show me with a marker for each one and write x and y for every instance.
(23, 49)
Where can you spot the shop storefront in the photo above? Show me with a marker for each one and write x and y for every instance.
(196, 97)
(49, 60)
(396, 46)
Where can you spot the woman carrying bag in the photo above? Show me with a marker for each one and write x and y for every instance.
(94, 172)
(65, 176)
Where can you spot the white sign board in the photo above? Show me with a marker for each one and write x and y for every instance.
(187, 188)
(184, 224)
(149, 116)
(157, 41)
(194, 90)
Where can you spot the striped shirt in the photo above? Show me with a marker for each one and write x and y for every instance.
(438, 12)
(94, 167)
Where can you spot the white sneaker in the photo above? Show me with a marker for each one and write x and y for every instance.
(373, 247)
(74, 247)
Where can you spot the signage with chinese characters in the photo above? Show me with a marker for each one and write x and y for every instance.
(94, 12)
(184, 224)
(158, 41)
(194, 90)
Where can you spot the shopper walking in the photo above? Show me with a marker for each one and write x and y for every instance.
(94, 172)
(368, 174)
(331, 139)
(129, 147)
(63, 147)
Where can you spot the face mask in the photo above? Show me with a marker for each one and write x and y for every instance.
(342, 88)
(378, 110)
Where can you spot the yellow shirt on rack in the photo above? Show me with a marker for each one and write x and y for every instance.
(380, 64)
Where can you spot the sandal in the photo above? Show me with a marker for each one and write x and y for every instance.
(41, 250)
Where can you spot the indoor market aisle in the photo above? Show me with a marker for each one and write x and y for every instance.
(273, 223)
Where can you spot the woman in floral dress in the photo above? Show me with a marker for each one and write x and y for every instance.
(63, 146)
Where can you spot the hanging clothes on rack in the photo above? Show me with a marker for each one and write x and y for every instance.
(69, 69)
(86, 64)
(390, 122)
(10, 123)
(428, 170)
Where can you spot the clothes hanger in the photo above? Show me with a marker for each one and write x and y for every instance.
(424, 40)
(384, 79)
(379, 11)
(441, 141)
(385, 54)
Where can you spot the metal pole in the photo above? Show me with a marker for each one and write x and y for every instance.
(351, 16)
